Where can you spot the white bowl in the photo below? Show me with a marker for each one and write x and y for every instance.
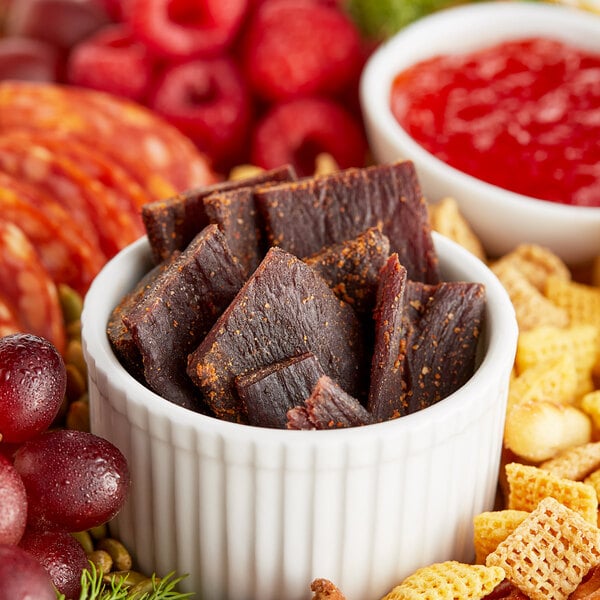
(502, 219)
(253, 513)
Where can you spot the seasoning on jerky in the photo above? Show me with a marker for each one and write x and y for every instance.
(390, 340)
(285, 308)
(432, 347)
(268, 393)
(329, 407)
(171, 224)
(179, 309)
(235, 214)
(125, 349)
(303, 217)
(351, 268)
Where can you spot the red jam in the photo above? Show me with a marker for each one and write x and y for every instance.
(523, 115)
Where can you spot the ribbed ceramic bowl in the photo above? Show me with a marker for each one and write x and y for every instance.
(502, 219)
(253, 513)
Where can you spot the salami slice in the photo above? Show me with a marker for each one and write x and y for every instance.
(61, 245)
(91, 204)
(27, 288)
(162, 159)
(8, 320)
(95, 164)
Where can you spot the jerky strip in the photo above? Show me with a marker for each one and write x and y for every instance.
(444, 326)
(268, 393)
(390, 339)
(284, 309)
(426, 342)
(235, 214)
(330, 407)
(178, 311)
(171, 224)
(351, 268)
(125, 349)
(305, 216)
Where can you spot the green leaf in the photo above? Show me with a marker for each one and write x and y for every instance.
(380, 19)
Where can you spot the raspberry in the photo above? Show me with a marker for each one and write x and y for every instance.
(208, 100)
(111, 61)
(297, 131)
(181, 29)
(299, 48)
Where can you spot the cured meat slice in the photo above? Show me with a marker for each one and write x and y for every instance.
(162, 159)
(305, 216)
(89, 202)
(27, 288)
(96, 165)
(171, 223)
(351, 268)
(177, 311)
(284, 309)
(9, 323)
(329, 407)
(268, 393)
(426, 342)
(66, 253)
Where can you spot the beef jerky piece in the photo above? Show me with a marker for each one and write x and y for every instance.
(172, 223)
(330, 407)
(297, 418)
(120, 339)
(389, 344)
(351, 268)
(268, 393)
(444, 325)
(305, 216)
(440, 326)
(285, 308)
(235, 214)
(179, 309)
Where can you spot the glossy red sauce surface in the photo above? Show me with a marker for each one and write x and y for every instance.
(523, 115)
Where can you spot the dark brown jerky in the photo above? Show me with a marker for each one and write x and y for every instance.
(268, 393)
(330, 407)
(235, 214)
(351, 268)
(171, 224)
(178, 311)
(305, 216)
(390, 339)
(284, 309)
(119, 337)
(440, 327)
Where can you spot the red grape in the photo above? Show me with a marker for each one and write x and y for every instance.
(22, 577)
(74, 480)
(13, 500)
(26, 59)
(61, 555)
(32, 386)
(61, 23)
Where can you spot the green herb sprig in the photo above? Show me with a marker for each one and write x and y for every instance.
(94, 587)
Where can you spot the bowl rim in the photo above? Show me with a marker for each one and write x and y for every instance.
(500, 351)
(388, 59)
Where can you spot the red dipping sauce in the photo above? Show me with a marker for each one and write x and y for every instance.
(523, 115)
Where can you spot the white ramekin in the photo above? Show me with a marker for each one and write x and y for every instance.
(252, 513)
